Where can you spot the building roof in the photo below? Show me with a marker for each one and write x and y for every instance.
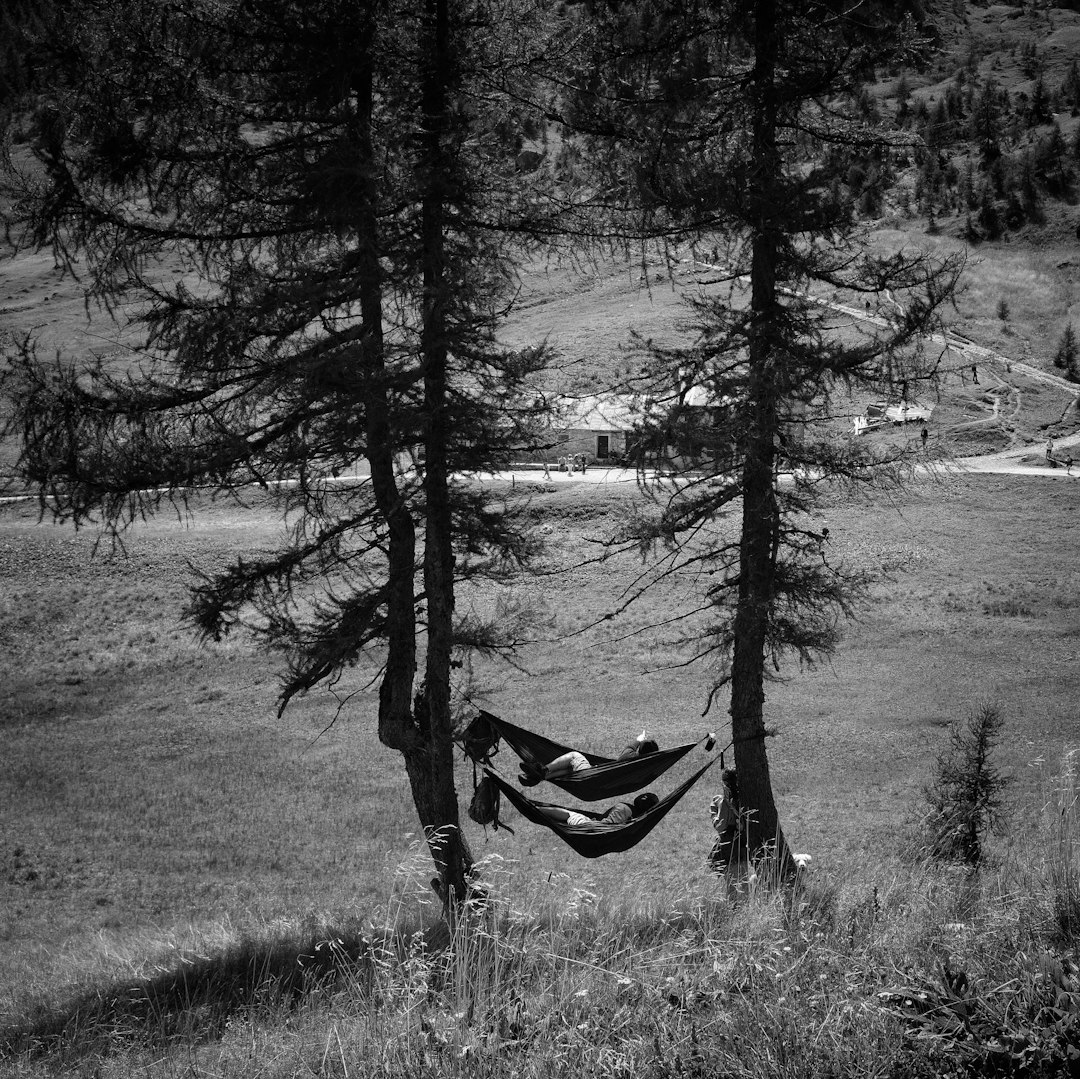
(617, 412)
(609, 413)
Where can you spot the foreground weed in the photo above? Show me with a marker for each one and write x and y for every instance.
(1026, 1025)
(1063, 851)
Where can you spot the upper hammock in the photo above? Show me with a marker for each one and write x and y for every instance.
(604, 778)
(603, 837)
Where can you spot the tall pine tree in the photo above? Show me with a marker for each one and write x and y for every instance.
(310, 209)
(737, 141)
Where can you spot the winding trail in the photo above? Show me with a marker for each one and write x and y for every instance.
(1009, 461)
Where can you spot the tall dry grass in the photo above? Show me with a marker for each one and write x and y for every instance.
(1059, 872)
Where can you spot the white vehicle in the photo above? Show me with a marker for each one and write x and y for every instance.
(879, 413)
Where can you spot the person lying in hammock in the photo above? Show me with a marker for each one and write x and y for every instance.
(619, 813)
(532, 772)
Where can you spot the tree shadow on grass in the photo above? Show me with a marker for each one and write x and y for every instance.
(193, 1000)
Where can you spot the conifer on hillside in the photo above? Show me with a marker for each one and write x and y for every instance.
(1067, 354)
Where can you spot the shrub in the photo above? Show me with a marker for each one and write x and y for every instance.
(965, 793)
(1008, 608)
(1067, 355)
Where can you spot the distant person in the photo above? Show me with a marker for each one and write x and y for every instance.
(975, 374)
(924, 435)
(619, 813)
(573, 761)
(823, 539)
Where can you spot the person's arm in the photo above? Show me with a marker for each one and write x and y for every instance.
(633, 749)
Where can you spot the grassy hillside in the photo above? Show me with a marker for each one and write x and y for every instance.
(156, 807)
(153, 783)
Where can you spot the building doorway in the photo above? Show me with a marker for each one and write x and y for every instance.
(603, 447)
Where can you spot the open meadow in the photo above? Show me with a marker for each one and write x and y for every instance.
(153, 800)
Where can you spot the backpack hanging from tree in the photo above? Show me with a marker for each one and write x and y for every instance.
(484, 807)
(480, 739)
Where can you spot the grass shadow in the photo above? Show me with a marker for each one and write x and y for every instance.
(195, 998)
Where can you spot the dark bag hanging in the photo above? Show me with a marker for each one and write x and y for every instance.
(484, 807)
(480, 739)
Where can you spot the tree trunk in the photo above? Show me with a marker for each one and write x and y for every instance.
(448, 844)
(424, 743)
(396, 725)
(760, 513)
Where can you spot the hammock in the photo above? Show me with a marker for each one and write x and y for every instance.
(604, 778)
(603, 837)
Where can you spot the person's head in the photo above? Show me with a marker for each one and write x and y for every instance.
(648, 746)
(644, 802)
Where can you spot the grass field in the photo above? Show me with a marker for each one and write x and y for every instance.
(158, 818)
(152, 796)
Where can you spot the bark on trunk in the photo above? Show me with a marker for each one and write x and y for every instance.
(396, 727)
(424, 744)
(451, 851)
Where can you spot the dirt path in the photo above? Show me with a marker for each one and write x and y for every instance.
(1008, 462)
(1030, 459)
